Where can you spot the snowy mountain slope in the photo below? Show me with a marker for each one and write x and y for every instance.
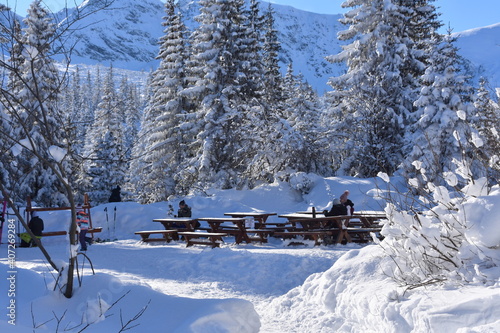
(306, 39)
(481, 46)
(126, 35)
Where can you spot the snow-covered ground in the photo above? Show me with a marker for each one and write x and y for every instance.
(236, 288)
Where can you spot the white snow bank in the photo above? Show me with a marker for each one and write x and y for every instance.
(483, 214)
(355, 295)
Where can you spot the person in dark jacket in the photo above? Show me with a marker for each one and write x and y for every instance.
(184, 210)
(337, 209)
(115, 194)
(36, 226)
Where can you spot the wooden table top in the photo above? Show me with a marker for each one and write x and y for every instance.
(221, 219)
(175, 219)
(253, 214)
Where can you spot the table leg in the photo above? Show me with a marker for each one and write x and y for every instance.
(243, 236)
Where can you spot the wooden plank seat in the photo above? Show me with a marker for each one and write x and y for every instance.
(229, 230)
(250, 235)
(362, 235)
(214, 239)
(54, 233)
(93, 230)
(168, 235)
(259, 235)
(64, 232)
(316, 235)
(274, 226)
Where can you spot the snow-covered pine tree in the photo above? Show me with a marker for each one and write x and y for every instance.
(273, 80)
(249, 91)
(93, 87)
(423, 25)
(71, 103)
(275, 141)
(214, 93)
(132, 105)
(138, 164)
(422, 29)
(304, 116)
(36, 86)
(253, 66)
(162, 134)
(88, 94)
(444, 109)
(372, 98)
(10, 173)
(487, 124)
(301, 119)
(15, 51)
(105, 164)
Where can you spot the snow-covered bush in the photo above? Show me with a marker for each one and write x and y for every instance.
(454, 240)
(448, 234)
(301, 182)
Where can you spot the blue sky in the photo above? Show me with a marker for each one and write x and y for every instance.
(459, 14)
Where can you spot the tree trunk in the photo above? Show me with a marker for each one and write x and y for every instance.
(73, 241)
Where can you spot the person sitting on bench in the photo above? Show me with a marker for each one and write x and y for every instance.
(337, 209)
(36, 227)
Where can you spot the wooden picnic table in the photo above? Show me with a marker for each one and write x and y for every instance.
(335, 225)
(368, 219)
(329, 225)
(239, 231)
(316, 228)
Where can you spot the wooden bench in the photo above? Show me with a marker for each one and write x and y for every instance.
(213, 239)
(54, 233)
(361, 235)
(64, 232)
(317, 236)
(93, 230)
(168, 235)
(259, 235)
